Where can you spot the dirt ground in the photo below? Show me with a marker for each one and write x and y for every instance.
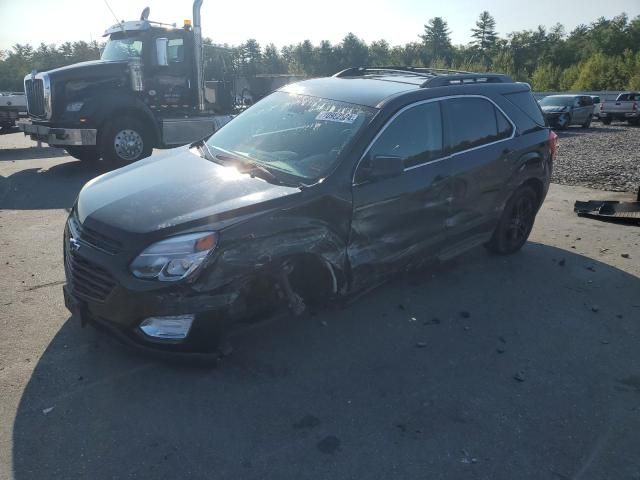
(520, 367)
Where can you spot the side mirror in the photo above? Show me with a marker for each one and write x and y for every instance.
(161, 51)
(386, 166)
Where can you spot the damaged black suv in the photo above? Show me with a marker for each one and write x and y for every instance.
(322, 189)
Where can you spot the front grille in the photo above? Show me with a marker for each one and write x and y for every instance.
(87, 280)
(34, 88)
(93, 238)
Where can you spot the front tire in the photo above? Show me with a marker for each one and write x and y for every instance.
(125, 140)
(516, 222)
(563, 121)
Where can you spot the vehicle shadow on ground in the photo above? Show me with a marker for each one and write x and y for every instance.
(44, 188)
(576, 131)
(7, 131)
(30, 153)
(490, 367)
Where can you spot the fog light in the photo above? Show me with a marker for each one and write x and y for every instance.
(168, 328)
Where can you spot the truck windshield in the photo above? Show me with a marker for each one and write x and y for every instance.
(295, 134)
(557, 101)
(122, 49)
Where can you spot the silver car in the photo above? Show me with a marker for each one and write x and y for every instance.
(562, 111)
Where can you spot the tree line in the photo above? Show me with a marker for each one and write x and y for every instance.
(604, 55)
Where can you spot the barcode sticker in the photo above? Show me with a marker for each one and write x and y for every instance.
(337, 117)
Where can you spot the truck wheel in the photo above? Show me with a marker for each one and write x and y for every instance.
(606, 121)
(84, 154)
(634, 121)
(516, 222)
(124, 141)
(587, 123)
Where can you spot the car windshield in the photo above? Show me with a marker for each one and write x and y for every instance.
(294, 134)
(122, 49)
(557, 101)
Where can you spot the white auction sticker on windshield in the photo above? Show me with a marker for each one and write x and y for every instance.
(337, 117)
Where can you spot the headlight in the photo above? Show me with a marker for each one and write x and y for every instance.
(175, 258)
(74, 107)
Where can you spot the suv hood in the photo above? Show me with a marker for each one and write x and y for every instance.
(171, 189)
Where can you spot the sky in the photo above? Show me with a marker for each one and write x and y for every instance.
(290, 21)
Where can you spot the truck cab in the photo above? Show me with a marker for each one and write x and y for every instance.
(146, 91)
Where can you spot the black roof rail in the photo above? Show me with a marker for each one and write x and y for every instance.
(465, 79)
(415, 71)
(435, 77)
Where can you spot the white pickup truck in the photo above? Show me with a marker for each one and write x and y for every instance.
(12, 104)
(624, 108)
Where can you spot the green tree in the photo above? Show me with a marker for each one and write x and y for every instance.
(546, 78)
(436, 40)
(353, 51)
(484, 33)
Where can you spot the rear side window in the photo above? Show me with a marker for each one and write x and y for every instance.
(473, 122)
(415, 135)
(628, 97)
(525, 102)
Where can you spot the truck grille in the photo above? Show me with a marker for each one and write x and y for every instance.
(87, 280)
(92, 238)
(34, 88)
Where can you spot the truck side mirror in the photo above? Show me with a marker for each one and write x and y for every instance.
(161, 51)
(386, 166)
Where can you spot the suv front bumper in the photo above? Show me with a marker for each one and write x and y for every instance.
(58, 136)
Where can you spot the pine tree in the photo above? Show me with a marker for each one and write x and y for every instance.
(436, 40)
(485, 34)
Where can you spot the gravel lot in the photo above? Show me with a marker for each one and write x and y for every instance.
(522, 367)
(601, 157)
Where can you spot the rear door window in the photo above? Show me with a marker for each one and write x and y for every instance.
(473, 122)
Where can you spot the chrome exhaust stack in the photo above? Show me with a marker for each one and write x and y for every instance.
(197, 52)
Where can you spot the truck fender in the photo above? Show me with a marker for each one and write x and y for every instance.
(115, 106)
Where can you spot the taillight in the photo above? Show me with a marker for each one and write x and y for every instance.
(601, 106)
(635, 106)
(553, 144)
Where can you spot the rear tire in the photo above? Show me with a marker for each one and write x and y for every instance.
(606, 121)
(516, 222)
(587, 123)
(84, 154)
(634, 121)
(125, 140)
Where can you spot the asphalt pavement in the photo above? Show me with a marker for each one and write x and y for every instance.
(519, 367)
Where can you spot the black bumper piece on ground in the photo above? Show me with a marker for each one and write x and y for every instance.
(628, 212)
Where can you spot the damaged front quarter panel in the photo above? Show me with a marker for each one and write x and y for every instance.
(296, 251)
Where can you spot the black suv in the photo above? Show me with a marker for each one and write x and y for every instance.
(320, 190)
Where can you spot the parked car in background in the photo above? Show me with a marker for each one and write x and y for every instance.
(322, 189)
(597, 103)
(12, 105)
(562, 111)
(624, 108)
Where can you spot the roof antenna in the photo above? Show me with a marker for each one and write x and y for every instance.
(114, 15)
